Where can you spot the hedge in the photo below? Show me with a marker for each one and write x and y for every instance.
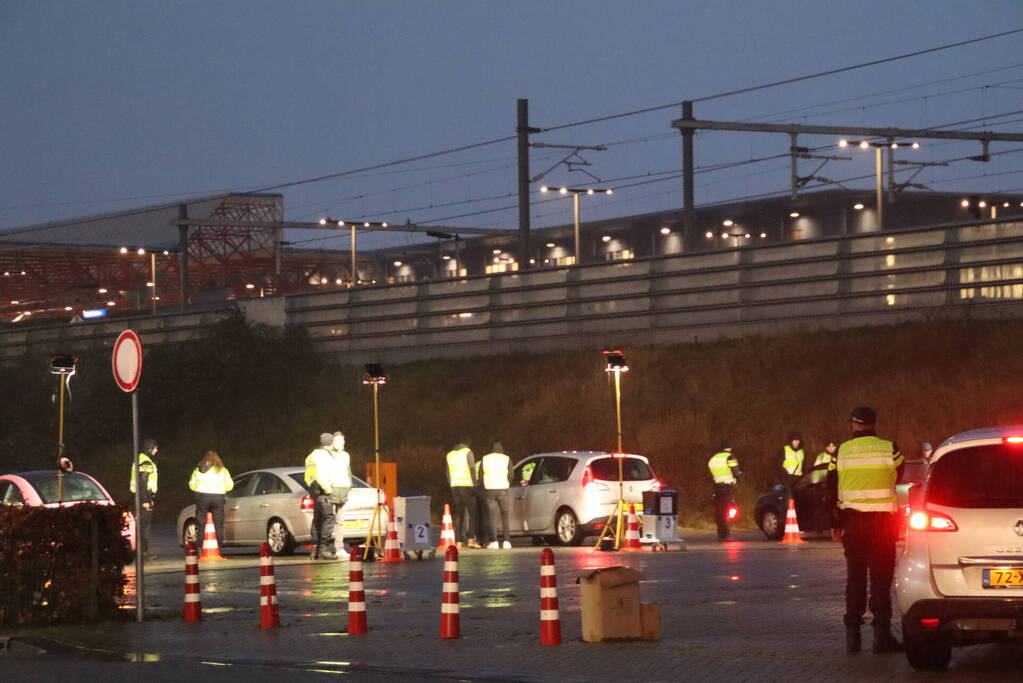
(46, 566)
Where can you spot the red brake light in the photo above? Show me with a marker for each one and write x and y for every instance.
(931, 521)
(657, 485)
(733, 512)
(307, 503)
(930, 623)
(1013, 440)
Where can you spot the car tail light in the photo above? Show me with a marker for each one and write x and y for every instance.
(590, 483)
(1013, 440)
(733, 512)
(931, 521)
(930, 623)
(307, 503)
(657, 485)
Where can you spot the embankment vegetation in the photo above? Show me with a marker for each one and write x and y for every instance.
(261, 397)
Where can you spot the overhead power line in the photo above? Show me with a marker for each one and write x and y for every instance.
(787, 81)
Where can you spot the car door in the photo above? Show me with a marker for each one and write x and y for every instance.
(521, 477)
(236, 499)
(273, 498)
(547, 490)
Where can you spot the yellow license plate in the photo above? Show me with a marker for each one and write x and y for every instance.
(356, 523)
(1003, 578)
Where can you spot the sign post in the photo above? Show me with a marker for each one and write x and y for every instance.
(127, 364)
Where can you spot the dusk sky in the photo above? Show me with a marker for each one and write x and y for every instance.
(110, 105)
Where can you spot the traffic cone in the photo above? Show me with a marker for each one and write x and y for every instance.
(447, 530)
(449, 595)
(356, 594)
(550, 620)
(268, 616)
(210, 549)
(193, 605)
(391, 551)
(791, 527)
(632, 534)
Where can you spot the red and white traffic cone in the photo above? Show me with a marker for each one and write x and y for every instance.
(631, 544)
(210, 549)
(447, 530)
(449, 595)
(391, 551)
(550, 620)
(792, 536)
(268, 615)
(193, 605)
(356, 594)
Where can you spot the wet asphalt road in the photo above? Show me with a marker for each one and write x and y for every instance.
(750, 610)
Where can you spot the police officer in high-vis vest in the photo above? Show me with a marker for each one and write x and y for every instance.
(319, 478)
(792, 461)
(145, 480)
(495, 474)
(724, 469)
(211, 482)
(863, 486)
(817, 493)
(461, 472)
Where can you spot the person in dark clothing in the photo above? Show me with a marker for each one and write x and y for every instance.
(862, 487)
(724, 470)
(461, 473)
(145, 481)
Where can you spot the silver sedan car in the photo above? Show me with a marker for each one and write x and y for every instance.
(273, 506)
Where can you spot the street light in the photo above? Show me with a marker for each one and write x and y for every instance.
(376, 376)
(353, 225)
(890, 145)
(458, 248)
(151, 284)
(615, 365)
(64, 367)
(575, 192)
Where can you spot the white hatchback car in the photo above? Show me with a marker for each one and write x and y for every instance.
(959, 580)
(273, 506)
(565, 496)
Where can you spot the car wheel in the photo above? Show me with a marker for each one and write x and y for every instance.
(279, 539)
(927, 654)
(190, 533)
(772, 524)
(566, 527)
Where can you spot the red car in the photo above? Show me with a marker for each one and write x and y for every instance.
(39, 488)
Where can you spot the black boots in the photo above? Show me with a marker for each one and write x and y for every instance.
(884, 641)
(853, 641)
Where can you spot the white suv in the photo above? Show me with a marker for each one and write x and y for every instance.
(959, 580)
(565, 496)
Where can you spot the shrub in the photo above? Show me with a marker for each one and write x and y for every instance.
(46, 572)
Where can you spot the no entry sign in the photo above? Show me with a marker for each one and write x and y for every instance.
(127, 361)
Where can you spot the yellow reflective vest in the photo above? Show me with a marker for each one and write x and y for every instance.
(720, 466)
(148, 468)
(793, 461)
(867, 472)
(458, 467)
(214, 480)
(495, 471)
(319, 469)
(824, 463)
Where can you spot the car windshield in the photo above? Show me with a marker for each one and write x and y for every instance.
(978, 477)
(76, 487)
(633, 469)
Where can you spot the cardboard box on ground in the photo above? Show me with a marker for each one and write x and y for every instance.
(611, 609)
